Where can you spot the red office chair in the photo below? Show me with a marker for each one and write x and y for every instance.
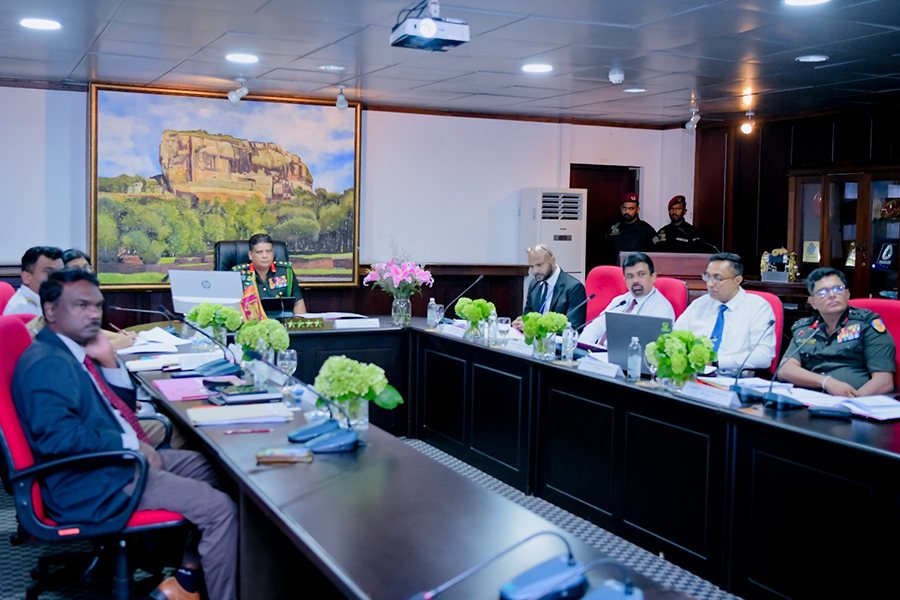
(6, 292)
(889, 311)
(778, 309)
(675, 291)
(607, 282)
(24, 476)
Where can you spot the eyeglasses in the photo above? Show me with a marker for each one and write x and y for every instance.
(825, 292)
(716, 279)
(537, 247)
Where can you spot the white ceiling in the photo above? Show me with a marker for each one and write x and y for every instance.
(681, 51)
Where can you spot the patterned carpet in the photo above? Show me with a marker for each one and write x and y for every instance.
(16, 562)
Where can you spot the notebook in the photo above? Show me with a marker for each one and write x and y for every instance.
(621, 327)
(275, 412)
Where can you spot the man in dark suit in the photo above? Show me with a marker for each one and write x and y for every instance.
(553, 290)
(68, 406)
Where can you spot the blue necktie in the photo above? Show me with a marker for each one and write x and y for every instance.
(719, 326)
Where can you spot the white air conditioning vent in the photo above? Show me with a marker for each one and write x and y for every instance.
(556, 207)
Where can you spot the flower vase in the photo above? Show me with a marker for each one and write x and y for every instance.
(675, 384)
(357, 410)
(401, 312)
(474, 331)
(544, 347)
(220, 334)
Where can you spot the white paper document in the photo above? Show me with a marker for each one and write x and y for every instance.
(331, 316)
(160, 336)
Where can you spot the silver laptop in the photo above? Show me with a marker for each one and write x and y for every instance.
(190, 288)
(621, 327)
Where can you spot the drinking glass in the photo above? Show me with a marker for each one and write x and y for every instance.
(287, 361)
(503, 325)
(438, 313)
(652, 368)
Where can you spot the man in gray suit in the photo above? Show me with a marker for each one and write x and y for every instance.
(553, 289)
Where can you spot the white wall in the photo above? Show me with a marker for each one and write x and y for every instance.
(43, 169)
(443, 189)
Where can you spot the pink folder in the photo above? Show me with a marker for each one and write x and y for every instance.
(189, 388)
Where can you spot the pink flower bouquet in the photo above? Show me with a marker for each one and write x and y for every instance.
(399, 279)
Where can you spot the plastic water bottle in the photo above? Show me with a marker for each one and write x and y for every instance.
(634, 359)
(569, 340)
(493, 329)
(431, 314)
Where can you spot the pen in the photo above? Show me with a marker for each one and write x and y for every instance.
(114, 327)
(234, 431)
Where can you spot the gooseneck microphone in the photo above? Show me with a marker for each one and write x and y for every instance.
(585, 301)
(778, 401)
(452, 302)
(750, 394)
(170, 328)
(221, 366)
(611, 589)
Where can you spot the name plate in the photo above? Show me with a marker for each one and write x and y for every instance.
(519, 347)
(357, 323)
(597, 367)
(709, 394)
(452, 331)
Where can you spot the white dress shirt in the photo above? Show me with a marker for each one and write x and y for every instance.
(24, 302)
(117, 377)
(746, 318)
(653, 304)
(551, 286)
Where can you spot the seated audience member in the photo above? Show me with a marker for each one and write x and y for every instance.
(67, 389)
(77, 259)
(842, 350)
(37, 263)
(271, 278)
(730, 317)
(641, 299)
(553, 290)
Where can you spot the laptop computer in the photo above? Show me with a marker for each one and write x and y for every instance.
(621, 327)
(190, 288)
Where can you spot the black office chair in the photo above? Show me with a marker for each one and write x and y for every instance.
(229, 253)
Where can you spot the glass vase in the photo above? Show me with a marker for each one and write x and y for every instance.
(220, 334)
(474, 331)
(675, 384)
(357, 410)
(544, 347)
(401, 312)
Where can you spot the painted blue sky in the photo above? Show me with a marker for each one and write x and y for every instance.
(130, 126)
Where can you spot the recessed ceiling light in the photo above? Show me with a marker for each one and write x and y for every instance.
(805, 2)
(242, 58)
(811, 58)
(39, 24)
(634, 90)
(537, 68)
(332, 68)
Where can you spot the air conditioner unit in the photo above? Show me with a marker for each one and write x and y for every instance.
(557, 218)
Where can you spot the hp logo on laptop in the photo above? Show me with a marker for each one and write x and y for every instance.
(206, 284)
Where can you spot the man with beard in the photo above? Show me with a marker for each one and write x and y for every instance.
(641, 299)
(630, 234)
(553, 289)
(679, 235)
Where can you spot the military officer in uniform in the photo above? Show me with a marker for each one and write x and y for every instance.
(678, 235)
(843, 351)
(273, 279)
(630, 234)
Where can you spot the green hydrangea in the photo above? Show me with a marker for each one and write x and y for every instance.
(342, 379)
(207, 314)
(270, 331)
(534, 324)
(679, 354)
(474, 311)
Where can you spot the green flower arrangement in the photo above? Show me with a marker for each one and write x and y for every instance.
(679, 354)
(207, 314)
(536, 325)
(270, 331)
(474, 311)
(343, 379)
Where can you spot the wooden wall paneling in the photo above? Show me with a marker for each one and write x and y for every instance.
(812, 142)
(886, 135)
(709, 183)
(745, 203)
(774, 188)
(852, 138)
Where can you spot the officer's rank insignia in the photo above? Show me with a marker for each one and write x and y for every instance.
(878, 324)
(277, 282)
(849, 333)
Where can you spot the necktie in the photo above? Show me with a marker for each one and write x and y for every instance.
(114, 399)
(718, 328)
(543, 300)
(627, 310)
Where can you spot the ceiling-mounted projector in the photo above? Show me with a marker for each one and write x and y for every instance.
(429, 32)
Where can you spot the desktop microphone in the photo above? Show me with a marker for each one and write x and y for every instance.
(169, 329)
(622, 303)
(447, 308)
(778, 401)
(609, 590)
(219, 367)
(561, 571)
(748, 394)
(585, 301)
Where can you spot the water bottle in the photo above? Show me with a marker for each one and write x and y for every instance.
(493, 329)
(569, 340)
(431, 314)
(634, 359)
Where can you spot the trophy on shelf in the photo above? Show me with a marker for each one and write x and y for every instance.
(779, 265)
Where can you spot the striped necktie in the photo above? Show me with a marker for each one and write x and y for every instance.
(114, 399)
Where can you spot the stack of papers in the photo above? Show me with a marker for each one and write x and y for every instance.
(725, 383)
(880, 408)
(190, 388)
(154, 341)
(275, 412)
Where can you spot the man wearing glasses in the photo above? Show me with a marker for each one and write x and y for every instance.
(843, 351)
(731, 318)
(552, 289)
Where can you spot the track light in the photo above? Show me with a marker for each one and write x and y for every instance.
(747, 127)
(234, 96)
(341, 101)
(695, 118)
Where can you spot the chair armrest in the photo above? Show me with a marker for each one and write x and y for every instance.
(23, 481)
(166, 423)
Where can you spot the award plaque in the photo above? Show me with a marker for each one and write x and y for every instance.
(887, 257)
(811, 252)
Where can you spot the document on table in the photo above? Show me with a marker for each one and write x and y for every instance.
(332, 316)
(751, 382)
(160, 336)
(880, 408)
(275, 412)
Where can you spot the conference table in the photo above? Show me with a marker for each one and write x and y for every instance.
(765, 504)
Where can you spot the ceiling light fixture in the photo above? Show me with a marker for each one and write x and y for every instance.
(537, 68)
(805, 2)
(341, 101)
(811, 58)
(244, 59)
(747, 127)
(748, 97)
(234, 96)
(695, 118)
(634, 90)
(332, 68)
(46, 24)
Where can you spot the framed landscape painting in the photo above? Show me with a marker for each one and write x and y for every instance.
(173, 172)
